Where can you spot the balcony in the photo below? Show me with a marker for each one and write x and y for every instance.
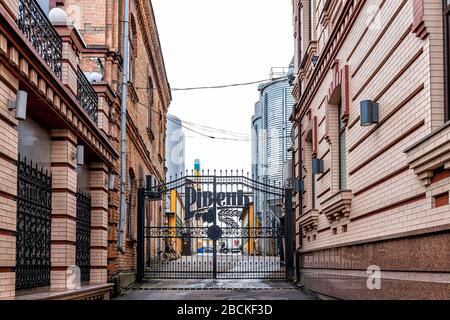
(48, 42)
(86, 95)
(36, 27)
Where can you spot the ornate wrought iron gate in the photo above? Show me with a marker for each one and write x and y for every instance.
(83, 243)
(34, 207)
(212, 230)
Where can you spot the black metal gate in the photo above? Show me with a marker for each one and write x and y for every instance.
(217, 226)
(34, 207)
(83, 236)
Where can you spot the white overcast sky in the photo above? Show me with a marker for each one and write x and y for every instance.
(215, 42)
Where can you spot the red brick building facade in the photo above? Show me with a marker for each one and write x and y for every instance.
(56, 197)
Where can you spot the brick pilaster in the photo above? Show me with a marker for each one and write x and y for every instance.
(98, 175)
(64, 173)
(8, 183)
(72, 44)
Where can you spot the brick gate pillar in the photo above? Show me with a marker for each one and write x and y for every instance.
(8, 182)
(98, 177)
(64, 206)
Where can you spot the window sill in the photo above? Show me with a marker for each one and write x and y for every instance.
(150, 134)
(337, 207)
(132, 92)
(431, 152)
(309, 221)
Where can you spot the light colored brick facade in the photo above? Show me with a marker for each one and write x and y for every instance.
(93, 43)
(391, 205)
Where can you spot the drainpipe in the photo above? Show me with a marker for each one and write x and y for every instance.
(123, 172)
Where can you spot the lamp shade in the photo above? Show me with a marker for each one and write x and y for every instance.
(369, 112)
(150, 181)
(317, 166)
(111, 181)
(80, 155)
(299, 185)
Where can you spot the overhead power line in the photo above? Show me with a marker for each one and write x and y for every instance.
(205, 134)
(214, 87)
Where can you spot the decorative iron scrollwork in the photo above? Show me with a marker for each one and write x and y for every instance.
(36, 27)
(86, 95)
(33, 237)
(214, 233)
(83, 243)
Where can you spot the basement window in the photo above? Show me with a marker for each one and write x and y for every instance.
(441, 200)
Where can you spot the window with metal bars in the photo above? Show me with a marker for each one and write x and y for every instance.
(342, 150)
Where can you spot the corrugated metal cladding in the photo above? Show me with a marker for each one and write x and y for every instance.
(175, 148)
(274, 139)
(271, 131)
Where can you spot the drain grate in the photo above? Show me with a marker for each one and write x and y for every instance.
(213, 289)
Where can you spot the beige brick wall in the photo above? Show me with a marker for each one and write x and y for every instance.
(8, 181)
(403, 73)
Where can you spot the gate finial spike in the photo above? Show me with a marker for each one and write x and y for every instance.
(231, 172)
(208, 172)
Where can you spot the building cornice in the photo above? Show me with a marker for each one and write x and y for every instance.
(22, 59)
(345, 22)
(151, 40)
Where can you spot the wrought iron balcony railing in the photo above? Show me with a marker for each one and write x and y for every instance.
(86, 95)
(36, 27)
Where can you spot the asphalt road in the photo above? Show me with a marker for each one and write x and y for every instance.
(216, 290)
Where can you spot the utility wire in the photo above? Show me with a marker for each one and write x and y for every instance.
(247, 138)
(214, 87)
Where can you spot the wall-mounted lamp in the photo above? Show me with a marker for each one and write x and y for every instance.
(150, 185)
(317, 166)
(291, 75)
(79, 155)
(314, 60)
(111, 181)
(369, 112)
(299, 185)
(20, 105)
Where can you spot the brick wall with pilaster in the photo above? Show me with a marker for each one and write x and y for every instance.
(98, 175)
(12, 6)
(69, 63)
(8, 184)
(64, 173)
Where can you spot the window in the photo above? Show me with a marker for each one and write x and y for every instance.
(342, 150)
(129, 202)
(447, 57)
(313, 188)
(150, 101)
(132, 49)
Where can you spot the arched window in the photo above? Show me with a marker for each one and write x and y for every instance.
(129, 202)
(132, 49)
(150, 101)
